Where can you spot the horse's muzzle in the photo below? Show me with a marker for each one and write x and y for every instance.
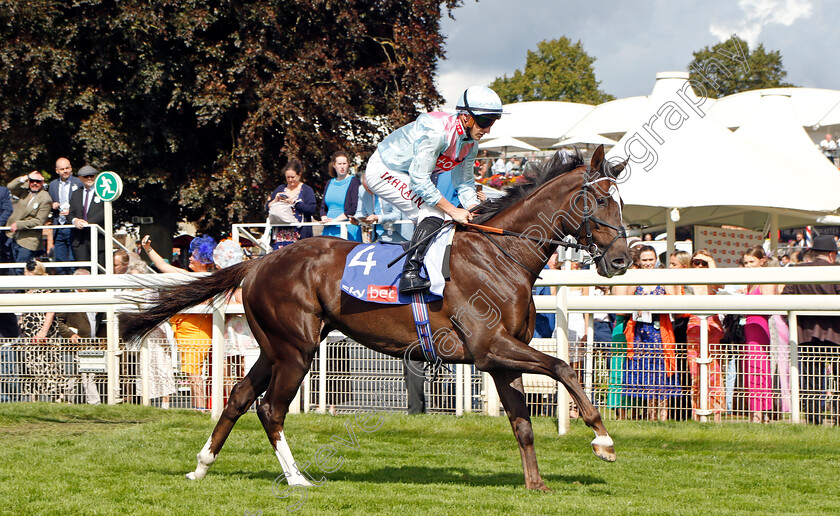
(615, 266)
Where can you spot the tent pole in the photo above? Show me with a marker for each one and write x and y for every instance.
(671, 230)
(774, 233)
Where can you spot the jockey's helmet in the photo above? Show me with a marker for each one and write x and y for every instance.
(482, 104)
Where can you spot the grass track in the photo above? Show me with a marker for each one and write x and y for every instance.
(58, 459)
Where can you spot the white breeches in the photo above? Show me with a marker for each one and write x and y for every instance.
(393, 186)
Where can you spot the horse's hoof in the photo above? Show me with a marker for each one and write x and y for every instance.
(541, 487)
(195, 475)
(299, 480)
(606, 453)
(604, 448)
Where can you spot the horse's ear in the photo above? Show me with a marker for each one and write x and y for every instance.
(615, 170)
(597, 158)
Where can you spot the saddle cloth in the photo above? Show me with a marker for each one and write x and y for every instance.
(368, 277)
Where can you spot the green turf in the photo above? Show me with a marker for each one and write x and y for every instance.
(58, 459)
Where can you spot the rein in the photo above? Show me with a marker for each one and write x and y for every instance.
(484, 230)
(593, 249)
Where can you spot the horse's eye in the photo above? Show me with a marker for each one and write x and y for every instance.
(601, 201)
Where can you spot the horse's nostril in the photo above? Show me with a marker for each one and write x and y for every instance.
(618, 263)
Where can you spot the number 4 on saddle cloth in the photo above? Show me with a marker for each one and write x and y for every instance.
(368, 277)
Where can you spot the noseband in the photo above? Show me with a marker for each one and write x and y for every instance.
(588, 217)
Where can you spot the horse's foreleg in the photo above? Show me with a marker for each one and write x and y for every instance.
(602, 445)
(285, 381)
(241, 397)
(506, 352)
(512, 395)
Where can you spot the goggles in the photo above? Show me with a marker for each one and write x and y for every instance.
(485, 121)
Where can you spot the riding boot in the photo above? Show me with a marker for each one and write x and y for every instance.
(411, 280)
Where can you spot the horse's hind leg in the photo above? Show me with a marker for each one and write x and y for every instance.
(512, 395)
(242, 396)
(286, 377)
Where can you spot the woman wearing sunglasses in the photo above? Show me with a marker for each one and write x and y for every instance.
(703, 259)
(401, 168)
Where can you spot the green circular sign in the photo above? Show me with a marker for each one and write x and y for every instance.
(108, 186)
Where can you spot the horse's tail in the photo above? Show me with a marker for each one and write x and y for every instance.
(172, 299)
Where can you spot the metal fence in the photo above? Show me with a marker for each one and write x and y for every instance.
(783, 382)
(178, 374)
(741, 382)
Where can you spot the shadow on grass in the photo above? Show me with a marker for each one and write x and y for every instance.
(426, 475)
(418, 475)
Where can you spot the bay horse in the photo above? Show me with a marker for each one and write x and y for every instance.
(292, 300)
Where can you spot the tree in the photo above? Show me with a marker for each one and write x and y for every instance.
(558, 70)
(198, 103)
(730, 67)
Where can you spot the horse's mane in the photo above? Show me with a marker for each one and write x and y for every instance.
(535, 176)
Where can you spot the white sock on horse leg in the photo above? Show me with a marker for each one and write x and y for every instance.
(284, 454)
(205, 460)
(602, 440)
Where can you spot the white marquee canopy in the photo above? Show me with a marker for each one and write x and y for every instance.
(540, 123)
(681, 158)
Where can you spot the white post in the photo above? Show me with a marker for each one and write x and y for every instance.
(342, 227)
(109, 239)
(111, 314)
(468, 400)
(703, 361)
(294, 406)
(306, 392)
(322, 377)
(793, 341)
(94, 248)
(563, 419)
(217, 373)
(111, 355)
(144, 372)
(459, 389)
(589, 363)
(493, 403)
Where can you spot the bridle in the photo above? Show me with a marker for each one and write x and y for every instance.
(585, 226)
(588, 217)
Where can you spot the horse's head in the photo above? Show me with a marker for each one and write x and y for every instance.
(598, 207)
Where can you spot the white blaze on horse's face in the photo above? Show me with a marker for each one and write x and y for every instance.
(612, 192)
(617, 198)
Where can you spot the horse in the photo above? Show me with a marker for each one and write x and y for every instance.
(486, 317)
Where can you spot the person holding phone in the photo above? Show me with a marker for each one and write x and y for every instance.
(297, 195)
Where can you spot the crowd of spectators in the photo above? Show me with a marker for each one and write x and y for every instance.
(653, 359)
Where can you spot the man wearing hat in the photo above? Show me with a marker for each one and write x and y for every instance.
(816, 333)
(86, 208)
(32, 209)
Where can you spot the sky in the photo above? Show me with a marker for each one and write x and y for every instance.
(632, 40)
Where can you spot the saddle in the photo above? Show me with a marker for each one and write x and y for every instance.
(367, 276)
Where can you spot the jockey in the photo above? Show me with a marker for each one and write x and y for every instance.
(400, 170)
